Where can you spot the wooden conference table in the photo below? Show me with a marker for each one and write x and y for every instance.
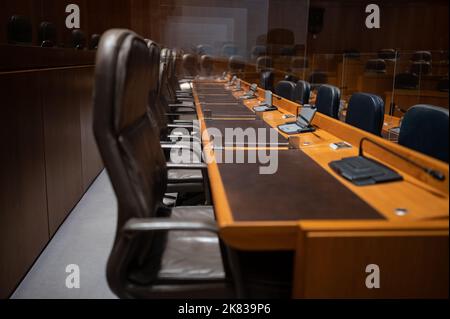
(335, 228)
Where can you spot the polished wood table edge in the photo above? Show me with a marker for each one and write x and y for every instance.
(287, 231)
(353, 135)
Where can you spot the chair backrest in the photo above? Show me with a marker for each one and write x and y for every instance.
(376, 66)
(204, 49)
(328, 99)
(47, 34)
(78, 39)
(263, 63)
(20, 30)
(302, 92)
(420, 68)
(156, 110)
(366, 112)
(352, 54)
(291, 77)
(129, 147)
(285, 89)
(93, 43)
(425, 129)
(189, 63)
(421, 56)
(266, 80)
(236, 63)
(207, 64)
(388, 54)
(406, 81)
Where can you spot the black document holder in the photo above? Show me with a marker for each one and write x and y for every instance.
(294, 128)
(363, 171)
(265, 108)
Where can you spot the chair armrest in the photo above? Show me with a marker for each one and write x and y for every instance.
(179, 125)
(181, 147)
(135, 226)
(184, 137)
(201, 166)
(188, 106)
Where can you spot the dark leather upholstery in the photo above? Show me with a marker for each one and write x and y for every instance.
(146, 263)
(78, 39)
(93, 43)
(203, 260)
(20, 30)
(352, 54)
(425, 129)
(302, 92)
(318, 77)
(328, 99)
(421, 68)
(387, 54)
(285, 89)
(421, 56)
(366, 112)
(407, 81)
(263, 63)
(206, 64)
(157, 115)
(376, 66)
(266, 80)
(190, 64)
(291, 77)
(204, 49)
(236, 63)
(47, 34)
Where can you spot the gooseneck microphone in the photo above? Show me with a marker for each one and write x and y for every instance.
(430, 171)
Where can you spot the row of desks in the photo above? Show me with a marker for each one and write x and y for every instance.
(336, 229)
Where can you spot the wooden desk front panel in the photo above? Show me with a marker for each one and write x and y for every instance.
(333, 264)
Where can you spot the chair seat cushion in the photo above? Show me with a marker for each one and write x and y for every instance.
(184, 175)
(192, 255)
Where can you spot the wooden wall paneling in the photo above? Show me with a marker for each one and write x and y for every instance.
(107, 14)
(90, 157)
(62, 143)
(406, 25)
(23, 203)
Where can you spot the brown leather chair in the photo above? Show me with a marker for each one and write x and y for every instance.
(187, 180)
(158, 252)
(207, 64)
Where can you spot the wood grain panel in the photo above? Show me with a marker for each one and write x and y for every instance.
(62, 144)
(91, 161)
(23, 206)
(23, 58)
(333, 264)
(344, 26)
